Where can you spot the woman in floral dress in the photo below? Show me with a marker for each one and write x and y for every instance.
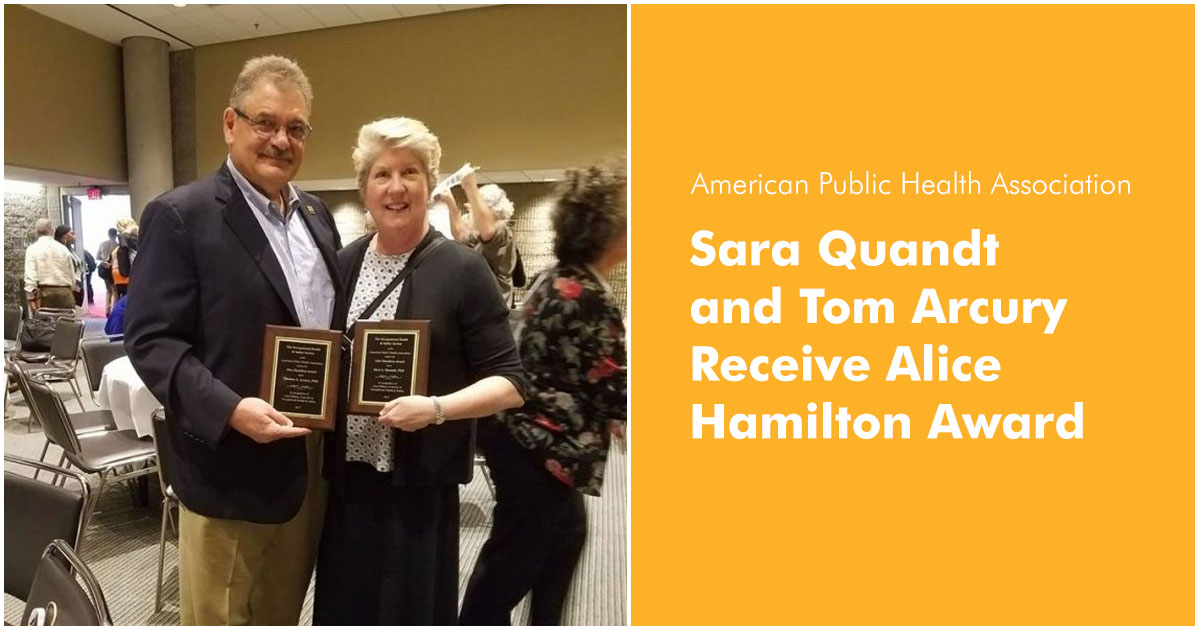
(548, 453)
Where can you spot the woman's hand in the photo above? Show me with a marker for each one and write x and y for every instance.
(408, 413)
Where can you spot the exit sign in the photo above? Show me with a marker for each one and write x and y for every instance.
(94, 193)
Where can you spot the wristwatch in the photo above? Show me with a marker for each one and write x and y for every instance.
(439, 415)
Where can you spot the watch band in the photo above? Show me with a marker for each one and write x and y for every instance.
(439, 414)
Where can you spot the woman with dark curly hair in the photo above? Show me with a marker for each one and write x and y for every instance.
(545, 455)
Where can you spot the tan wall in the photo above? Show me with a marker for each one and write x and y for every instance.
(507, 87)
(63, 102)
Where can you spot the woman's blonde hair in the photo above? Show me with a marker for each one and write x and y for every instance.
(396, 133)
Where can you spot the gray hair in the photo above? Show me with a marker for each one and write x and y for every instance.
(496, 199)
(279, 70)
(396, 133)
(43, 227)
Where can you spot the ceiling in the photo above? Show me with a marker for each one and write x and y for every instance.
(201, 24)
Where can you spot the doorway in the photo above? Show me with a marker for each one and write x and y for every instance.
(91, 220)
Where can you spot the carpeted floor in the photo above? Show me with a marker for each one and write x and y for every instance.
(121, 544)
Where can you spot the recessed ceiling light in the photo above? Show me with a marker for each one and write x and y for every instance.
(178, 5)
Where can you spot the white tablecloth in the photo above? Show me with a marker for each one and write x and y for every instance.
(123, 393)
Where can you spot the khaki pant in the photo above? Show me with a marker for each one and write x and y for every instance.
(241, 573)
(56, 297)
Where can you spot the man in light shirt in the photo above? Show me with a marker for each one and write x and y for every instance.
(50, 270)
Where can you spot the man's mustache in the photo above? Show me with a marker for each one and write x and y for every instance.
(273, 152)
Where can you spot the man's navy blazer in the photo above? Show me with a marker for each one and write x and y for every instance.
(205, 285)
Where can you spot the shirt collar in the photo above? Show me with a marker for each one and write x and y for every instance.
(256, 199)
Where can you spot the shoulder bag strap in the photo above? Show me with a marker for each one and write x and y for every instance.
(404, 273)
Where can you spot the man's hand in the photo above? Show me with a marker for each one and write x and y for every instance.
(408, 413)
(256, 419)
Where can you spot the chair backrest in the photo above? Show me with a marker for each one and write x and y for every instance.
(57, 588)
(162, 450)
(56, 422)
(37, 512)
(16, 370)
(65, 344)
(98, 353)
(12, 323)
(93, 327)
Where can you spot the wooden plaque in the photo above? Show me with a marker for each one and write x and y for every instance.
(390, 359)
(300, 369)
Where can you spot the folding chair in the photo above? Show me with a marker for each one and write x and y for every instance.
(97, 353)
(114, 455)
(67, 590)
(83, 423)
(64, 357)
(36, 513)
(44, 314)
(12, 329)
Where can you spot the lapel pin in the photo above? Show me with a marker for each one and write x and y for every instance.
(310, 210)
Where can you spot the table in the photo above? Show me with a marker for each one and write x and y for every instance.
(123, 392)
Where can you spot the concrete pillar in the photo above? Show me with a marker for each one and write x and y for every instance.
(147, 119)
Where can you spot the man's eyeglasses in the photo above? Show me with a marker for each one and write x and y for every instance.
(298, 131)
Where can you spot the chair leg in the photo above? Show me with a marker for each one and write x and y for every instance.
(171, 520)
(62, 463)
(78, 396)
(162, 549)
(95, 502)
(131, 485)
(45, 449)
(487, 477)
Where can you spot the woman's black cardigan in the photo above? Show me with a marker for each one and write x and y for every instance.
(470, 339)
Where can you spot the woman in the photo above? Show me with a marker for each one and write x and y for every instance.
(547, 454)
(485, 227)
(123, 254)
(389, 548)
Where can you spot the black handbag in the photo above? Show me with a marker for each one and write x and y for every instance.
(38, 331)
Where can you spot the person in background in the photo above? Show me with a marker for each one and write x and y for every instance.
(104, 258)
(116, 320)
(66, 236)
(545, 455)
(50, 270)
(485, 228)
(89, 264)
(218, 261)
(122, 257)
(389, 550)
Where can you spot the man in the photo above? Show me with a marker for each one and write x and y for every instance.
(218, 260)
(50, 270)
(104, 257)
(89, 268)
(485, 228)
(65, 235)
